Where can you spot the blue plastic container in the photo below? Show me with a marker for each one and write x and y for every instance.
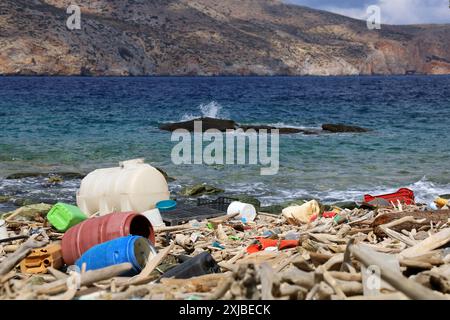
(166, 205)
(133, 249)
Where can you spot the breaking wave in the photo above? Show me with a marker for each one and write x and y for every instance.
(210, 110)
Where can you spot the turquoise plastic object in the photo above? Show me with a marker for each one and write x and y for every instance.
(64, 216)
(166, 205)
(133, 249)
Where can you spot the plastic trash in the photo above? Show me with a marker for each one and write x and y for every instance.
(154, 216)
(441, 202)
(291, 235)
(40, 259)
(217, 244)
(134, 186)
(133, 249)
(246, 211)
(304, 212)
(166, 205)
(91, 232)
(262, 244)
(64, 216)
(433, 206)
(330, 214)
(3, 230)
(403, 195)
(199, 265)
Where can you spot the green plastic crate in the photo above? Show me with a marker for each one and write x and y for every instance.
(64, 216)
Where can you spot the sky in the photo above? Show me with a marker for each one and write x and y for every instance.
(392, 11)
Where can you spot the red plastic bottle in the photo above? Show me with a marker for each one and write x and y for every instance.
(80, 238)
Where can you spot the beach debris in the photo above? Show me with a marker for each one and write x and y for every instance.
(83, 236)
(442, 203)
(403, 195)
(3, 230)
(199, 265)
(303, 213)
(63, 216)
(40, 259)
(367, 252)
(245, 211)
(132, 249)
(132, 186)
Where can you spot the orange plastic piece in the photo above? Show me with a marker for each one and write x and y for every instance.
(40, 259)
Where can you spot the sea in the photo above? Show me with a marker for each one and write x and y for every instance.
(79, 124)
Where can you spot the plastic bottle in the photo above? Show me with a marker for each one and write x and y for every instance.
(133, 249)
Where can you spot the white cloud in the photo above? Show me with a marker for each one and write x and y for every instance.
(392, 11)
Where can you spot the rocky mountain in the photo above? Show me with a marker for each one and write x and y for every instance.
(209, 37)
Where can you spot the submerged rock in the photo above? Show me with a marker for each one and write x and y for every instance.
(338, 128)
(250, 200)
(199, 190)
(4, 199)
(166, 176)
(61, 175)
(282, 130)
(346, 205)
(275, 209)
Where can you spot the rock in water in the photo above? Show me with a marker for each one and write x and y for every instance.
(62, 175)
(200, 189)
(207, 123)
(30, 212)
(337, 128)
(166, 176)
(248, 199)
(282, 130)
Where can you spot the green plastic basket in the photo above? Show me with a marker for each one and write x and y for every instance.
(64, 216)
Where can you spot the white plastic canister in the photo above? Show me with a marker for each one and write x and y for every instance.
(245, 210)
(134, 186)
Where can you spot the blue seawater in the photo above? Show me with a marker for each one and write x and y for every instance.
(79, 124)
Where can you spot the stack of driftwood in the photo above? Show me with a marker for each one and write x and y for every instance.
(391, 253)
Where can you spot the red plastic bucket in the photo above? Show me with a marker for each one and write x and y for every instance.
(80, 238)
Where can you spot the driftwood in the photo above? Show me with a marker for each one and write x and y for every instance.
(21, 253)
(434, 241)
(410, 288)
(419, 219)
(326, 263)
(85, 279)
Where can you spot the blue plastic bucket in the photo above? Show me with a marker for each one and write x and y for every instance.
(133, 249)
(166, 205)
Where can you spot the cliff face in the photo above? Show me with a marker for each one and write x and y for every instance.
(209, 37)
